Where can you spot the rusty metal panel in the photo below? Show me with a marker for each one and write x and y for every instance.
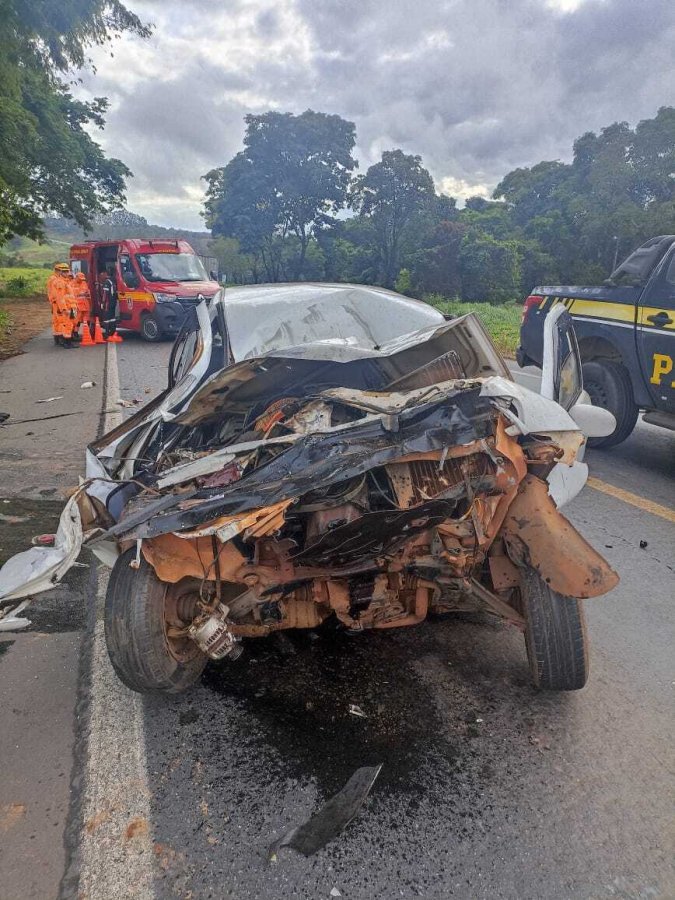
(538, 535)
(174, 558)
(503, 573)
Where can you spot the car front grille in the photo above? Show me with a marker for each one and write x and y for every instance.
(192, 301)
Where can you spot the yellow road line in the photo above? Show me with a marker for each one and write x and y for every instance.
(649, 506)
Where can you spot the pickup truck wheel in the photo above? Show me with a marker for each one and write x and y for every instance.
(143, 618)
(608, 385)
(555, 635)
(150, 329)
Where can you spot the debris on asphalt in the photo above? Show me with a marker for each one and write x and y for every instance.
(87, 384)
(13, 520)
(125, 403)
(12, 621)
(540, 743)
(4, 416)
(334, 892)
(643, 544)
(335, 815)
(49, 399)
(356, 710)
(45, 418)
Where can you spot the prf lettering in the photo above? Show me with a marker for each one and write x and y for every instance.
(663, 365)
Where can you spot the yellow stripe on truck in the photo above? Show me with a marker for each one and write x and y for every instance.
(612, 312)
(138, 295)
(616, 312)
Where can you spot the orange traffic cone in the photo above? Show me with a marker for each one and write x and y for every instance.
(115, 338)
(86, 336)
(98, 334)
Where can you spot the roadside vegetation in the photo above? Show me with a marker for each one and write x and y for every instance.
(23, 282)
(24, 311)
(277, 212)
(501, 322)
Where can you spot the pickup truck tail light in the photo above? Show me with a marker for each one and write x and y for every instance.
(529, 303)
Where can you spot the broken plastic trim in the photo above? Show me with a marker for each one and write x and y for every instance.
(335, 815)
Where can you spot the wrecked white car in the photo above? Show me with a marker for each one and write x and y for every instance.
(333, 453)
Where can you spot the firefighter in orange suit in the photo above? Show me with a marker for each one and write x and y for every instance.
(83, 301)
(64, 306)
(55, 281)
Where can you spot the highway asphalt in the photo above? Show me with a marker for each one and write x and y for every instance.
(487, 788)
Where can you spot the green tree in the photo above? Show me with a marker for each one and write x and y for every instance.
(349, 248)
(48, 161)
(489, 269)
(392, 194)
(614, 195)
(435, 268)
(290, 179)
(238, 267)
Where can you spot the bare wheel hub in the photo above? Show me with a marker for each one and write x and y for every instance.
(181, 605)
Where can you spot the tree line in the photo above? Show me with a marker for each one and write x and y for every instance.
(291, 207)
(49, 163)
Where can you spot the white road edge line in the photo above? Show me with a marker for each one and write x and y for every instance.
(116, 845)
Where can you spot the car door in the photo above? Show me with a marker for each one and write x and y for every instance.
(656, 334)
(561, 365)
(127, 285)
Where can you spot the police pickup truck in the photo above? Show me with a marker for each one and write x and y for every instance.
(626, 335)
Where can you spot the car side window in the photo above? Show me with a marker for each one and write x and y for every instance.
(670, 277)
(660, 292)
(127, 271)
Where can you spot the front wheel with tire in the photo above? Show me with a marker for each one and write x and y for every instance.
(145, 629)
(555, 635)
(608, 385)
(150, 329)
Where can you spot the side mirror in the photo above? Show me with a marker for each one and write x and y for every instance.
(561, 378)
(593, 421)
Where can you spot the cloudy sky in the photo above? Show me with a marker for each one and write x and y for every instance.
(476, 87)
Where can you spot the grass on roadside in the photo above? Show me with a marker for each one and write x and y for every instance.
(502, 322)
(24, 311)
(23, 282)
(33, 253)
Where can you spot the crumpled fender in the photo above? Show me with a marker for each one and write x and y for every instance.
(537, 535)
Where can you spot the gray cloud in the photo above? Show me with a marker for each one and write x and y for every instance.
(477, 87)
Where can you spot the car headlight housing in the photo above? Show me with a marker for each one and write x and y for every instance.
(163, 298)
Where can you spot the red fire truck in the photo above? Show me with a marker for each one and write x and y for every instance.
(157, 280)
